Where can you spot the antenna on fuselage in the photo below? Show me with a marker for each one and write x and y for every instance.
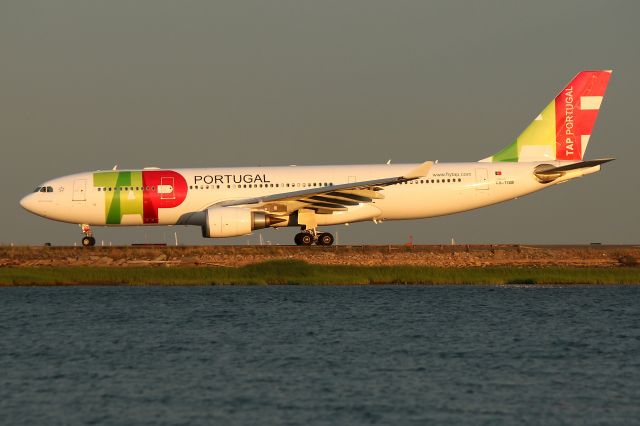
(115, 167)
(389, 161)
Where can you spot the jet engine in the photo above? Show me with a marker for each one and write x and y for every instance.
(234, 221)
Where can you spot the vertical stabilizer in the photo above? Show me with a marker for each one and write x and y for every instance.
(562, 130)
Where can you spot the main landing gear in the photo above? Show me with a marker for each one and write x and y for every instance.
(87, 240)
(307, 238)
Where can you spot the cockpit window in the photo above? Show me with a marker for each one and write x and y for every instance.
(43, 189)
(37, 189)
(49, 189)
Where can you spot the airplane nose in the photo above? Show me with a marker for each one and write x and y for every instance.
(27, 203)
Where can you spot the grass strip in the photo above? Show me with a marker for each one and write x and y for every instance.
(293, 272)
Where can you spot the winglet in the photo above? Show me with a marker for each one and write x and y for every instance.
(419, 171)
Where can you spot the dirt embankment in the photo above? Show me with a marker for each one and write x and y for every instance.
(434, 255)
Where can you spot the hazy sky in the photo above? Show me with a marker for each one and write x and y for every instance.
(86, 84)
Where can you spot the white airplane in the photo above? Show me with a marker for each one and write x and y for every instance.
(229, 202)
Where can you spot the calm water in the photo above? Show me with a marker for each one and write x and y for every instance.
(324, 355)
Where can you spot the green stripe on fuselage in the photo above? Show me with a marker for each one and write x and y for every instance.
(118, 201)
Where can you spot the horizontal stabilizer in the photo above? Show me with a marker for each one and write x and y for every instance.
(574, 166)
(546, 173)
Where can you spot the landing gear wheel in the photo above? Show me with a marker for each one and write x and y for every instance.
(306, 239)
(88, 241)
(303, 239)
(325, 239)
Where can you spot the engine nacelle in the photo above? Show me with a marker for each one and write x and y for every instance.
(233, 222)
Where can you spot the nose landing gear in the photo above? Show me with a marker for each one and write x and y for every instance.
(308, 237)
(87, 240)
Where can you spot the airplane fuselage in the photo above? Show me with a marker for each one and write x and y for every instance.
(167, 197)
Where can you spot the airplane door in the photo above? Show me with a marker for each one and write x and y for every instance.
(80, 190)
(166, 189)
(482, 179)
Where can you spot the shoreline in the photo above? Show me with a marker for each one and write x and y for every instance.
(336, 265)
(448, 256)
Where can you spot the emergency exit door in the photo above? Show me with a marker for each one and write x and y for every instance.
(482, 179)
(166, 189)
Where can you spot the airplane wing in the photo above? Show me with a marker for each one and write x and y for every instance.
(327, 199)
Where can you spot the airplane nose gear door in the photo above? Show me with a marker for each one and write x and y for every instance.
(79, 190)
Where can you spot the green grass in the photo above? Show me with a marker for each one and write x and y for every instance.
(295, 272)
